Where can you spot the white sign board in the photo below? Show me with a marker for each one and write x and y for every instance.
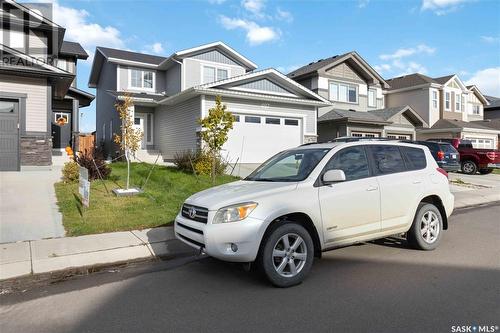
(84, 186)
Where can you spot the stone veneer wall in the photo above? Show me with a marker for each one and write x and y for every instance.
(36, 151)
(310, 138)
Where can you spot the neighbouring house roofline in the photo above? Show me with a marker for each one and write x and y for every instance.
(73, 49)
(417, 81)
(422, 86)
(474, 89)
(314, 67)
(449, 125)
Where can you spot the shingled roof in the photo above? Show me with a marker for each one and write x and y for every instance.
(444, 79)
(131, 56)
(353, 116)
(314, 66)
(454, 123)
(410, 80)
(73, 49)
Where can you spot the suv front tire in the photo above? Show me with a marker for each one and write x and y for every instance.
(287, 255)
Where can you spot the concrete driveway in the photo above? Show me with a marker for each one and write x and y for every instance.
(28, 209)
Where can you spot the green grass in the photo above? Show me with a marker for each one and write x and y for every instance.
(496, 171)
(163, 196)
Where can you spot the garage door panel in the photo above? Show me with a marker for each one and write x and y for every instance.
(256, 142)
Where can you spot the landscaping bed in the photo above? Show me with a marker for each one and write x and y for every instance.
(163, 196)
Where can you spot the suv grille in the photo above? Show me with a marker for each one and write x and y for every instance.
(195, 213)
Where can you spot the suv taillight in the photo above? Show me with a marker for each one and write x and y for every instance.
(443, 172)
(491, 155)
(440, 155)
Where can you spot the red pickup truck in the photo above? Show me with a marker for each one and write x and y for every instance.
(474, 159)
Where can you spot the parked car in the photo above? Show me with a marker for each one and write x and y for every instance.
(445, 155)
(474, 159)
(317, 197)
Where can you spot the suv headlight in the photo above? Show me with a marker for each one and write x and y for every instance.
(234, 213)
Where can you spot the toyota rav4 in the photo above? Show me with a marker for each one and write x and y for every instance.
(316, 197)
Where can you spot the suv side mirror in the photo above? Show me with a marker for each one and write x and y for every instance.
(333, 176)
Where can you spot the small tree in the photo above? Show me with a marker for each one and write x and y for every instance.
(215, 129)
(130, 137)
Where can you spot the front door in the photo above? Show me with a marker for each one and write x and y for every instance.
(351, 208)
(139, 125)
(9, 135)
(61, 129)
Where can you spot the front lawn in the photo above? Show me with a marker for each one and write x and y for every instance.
(496, 171)
(163, 196)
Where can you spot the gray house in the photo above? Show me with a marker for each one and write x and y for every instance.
(39, 100)
(170, 94)
(357, 95)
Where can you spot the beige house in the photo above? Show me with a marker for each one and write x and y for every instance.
(357, 96)
(449, 107)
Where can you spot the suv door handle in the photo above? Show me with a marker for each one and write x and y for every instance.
(372, 188)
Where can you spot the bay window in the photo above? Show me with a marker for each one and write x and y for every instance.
(343, 92)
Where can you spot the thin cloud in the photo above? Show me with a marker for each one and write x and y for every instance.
(487, 80)
(256, 7)
(442, 7)
(156, 48)
(255, 34)
(283, 15)
(490, 39)
(406, 52)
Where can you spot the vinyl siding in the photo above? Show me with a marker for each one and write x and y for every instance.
(105, 110)
(418, 99)
(264, 85)
(36, 102)
(193, 71)
(175, 127)
(173, 80)
(215, 56)
(244, 106)
(37, 44)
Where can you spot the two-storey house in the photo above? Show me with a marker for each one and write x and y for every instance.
(357, 94)
(450, 108)
(170, 94)
(39, 100)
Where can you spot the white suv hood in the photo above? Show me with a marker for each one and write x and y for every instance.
(237, 192)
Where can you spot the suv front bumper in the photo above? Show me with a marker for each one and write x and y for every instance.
(221, 240)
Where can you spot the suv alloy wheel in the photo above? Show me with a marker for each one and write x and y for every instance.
(287, 255)
(425, 232)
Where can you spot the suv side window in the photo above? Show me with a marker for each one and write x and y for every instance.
(352, 161)
(414, 157)
(387, 159)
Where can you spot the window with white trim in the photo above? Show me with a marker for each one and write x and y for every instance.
(142, 79)
(212, 74)
(447, 100)
(458, 102)
(372, 97)
(343, 92)
(434, 99)
(476, 109)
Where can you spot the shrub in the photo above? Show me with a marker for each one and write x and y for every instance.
(199, 162)
(88, 162)
(203, 164)
(183, 160)
(70, 172)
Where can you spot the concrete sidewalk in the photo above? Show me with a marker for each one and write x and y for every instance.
(49, 255)
(471, 190)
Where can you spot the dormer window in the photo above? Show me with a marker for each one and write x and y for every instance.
(343, 92)
(141, 79)
(212, 74)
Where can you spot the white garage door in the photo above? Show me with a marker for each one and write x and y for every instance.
(254, 139)
(482, 143)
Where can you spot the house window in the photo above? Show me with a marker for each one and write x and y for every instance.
(372, 101)
(476, 109)
(142, 79)
(212, 74)
(342, 92)
(447, 102)
(457, 102)
(434, 99)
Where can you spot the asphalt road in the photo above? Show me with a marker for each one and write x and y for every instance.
(375, 287)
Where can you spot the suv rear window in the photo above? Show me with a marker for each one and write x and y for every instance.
(387, 159)
(414, 157)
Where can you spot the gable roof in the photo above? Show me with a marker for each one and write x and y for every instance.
(458, 124)
(410, 80)
(274, 76)
(110, 53)
(353, 57)
(479, 95)
(73, 49)
(444, 79)
(352, 116)
(391, 112)
(494, 102)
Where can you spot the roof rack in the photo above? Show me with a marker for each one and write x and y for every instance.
(356, 138)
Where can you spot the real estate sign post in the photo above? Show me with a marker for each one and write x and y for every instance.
(84, 186)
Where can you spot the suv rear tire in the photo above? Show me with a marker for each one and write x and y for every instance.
(469, 167)
(427, 228)
(287, 255)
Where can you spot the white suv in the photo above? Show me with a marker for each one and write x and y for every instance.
(317, 197)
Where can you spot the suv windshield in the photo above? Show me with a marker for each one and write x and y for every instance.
(289, 166)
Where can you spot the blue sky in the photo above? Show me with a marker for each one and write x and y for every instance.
(433, 37)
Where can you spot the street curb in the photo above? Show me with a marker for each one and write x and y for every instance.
(481, 205)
